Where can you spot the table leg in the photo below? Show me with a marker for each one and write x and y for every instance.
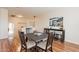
(36, 47)
(63, 36)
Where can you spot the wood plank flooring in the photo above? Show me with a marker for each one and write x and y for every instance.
(4, 45)
(57, 46)
(65, 47)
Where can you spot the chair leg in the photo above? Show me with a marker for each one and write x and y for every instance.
(51, 49)
(21, 49)
(45, 50)
(25, 49)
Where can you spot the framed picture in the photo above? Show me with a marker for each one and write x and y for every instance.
(56, 22)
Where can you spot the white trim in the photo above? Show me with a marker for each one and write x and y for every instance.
(72, 42)
(3, 37)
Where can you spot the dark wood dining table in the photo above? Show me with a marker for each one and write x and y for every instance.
(36, 38)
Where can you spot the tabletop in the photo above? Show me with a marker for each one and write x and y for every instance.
(36, 36)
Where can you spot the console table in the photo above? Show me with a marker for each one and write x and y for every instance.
(63, 32)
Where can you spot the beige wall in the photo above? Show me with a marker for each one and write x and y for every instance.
(43, 22)
(71, 22)
(18, 22)
(3, 23)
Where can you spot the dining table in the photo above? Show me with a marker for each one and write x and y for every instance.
(37, 37)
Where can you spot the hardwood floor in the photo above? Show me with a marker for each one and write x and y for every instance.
(57, 46)
(4, 45)
(65, 47)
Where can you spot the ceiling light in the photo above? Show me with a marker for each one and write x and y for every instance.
(13, 15)
(20, 16)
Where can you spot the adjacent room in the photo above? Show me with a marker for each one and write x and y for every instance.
(39, 29)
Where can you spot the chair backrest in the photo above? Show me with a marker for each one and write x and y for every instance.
(49, 40)
(22, 38)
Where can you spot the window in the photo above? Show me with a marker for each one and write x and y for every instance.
(11, 30)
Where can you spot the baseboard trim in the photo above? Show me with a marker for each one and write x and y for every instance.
(72, 42)
(3, 37)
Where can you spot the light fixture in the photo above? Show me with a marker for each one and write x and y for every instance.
(34, 20)
(13, 15)
(20, 16)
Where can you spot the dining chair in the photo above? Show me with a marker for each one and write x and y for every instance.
(46, 44)
(26, 44)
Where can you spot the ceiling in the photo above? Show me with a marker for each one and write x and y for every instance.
(29, 11)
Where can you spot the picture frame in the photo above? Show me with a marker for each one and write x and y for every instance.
(56, 22)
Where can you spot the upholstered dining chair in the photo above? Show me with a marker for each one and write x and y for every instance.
(46, 45)
(25, 44)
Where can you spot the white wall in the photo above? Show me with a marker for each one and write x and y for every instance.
(71, 22)
(3, 23)
(42, 22)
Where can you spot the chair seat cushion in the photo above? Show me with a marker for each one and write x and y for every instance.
(44, 39)
(42, 44)
(30, 44)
